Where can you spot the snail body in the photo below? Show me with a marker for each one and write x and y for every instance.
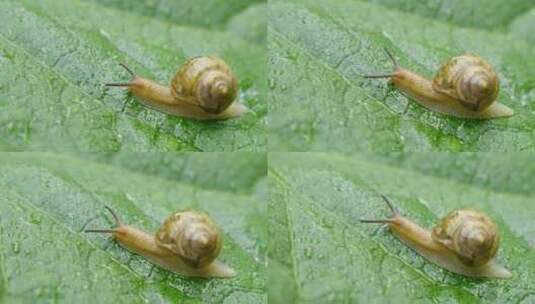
(204, 88)
(466, 87)
(464, 242)
(188, 243)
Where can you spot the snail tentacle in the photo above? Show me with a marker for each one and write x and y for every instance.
(122, 84)
(394, 62)
(390, 220)
(118, 223)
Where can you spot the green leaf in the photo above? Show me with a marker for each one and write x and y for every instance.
(48, 200)
(318, 101)
(320, 253)
(55, 57)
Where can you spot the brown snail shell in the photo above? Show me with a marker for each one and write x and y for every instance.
(192, 236)
(206, 81)
(472, 235)
(469, 79)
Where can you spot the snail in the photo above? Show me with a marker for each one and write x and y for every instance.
(204, 88)
(465, 241)
(466, 87)
(188, 243)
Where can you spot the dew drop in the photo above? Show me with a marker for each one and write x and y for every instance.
(35, 219)
(308, 252)
(16, 248)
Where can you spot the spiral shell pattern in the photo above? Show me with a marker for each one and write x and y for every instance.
(469, 79)
(192, 236)
(470, 234)
(207, 82)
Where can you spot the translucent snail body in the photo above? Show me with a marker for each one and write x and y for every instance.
(204, 88)
(466, 87)
(463, 242)
(188, 243)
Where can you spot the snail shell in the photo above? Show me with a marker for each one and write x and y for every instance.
(206, 81)
(469, 79)
(466, 87)
(192, 236)
(470, 234)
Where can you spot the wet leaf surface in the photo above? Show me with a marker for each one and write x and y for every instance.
(319, 101)
(48, 200)
(320, 253)
(55, 57)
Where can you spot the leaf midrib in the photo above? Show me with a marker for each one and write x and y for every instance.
(299, 290)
